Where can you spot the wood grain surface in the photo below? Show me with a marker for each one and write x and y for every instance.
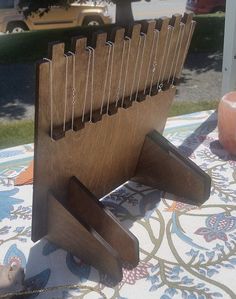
(104, 154)
(162, 166)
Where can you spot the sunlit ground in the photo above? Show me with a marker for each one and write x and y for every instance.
(154, 8)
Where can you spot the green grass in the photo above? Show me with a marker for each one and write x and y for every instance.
(16, 133)
(209, 33)
(179, 108)
(22, 132)
(32, 46)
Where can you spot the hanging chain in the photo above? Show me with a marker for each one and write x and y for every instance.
(50, 289)
(159, 86)
(188, 43)
(106, 77)
(86, 83)
(120, 77)
(126, 71)
(168, 53)
(135, 68)
(154, 65)
(175, 52)
(73, 90)
(51, 95)
(92, 51)
(66, 86)
(180, 46)
(141, 63)
(112, 46)
(149, 63)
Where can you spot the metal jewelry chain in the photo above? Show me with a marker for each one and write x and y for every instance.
(180, 46)
(154, 65)
(66, 85)
(56, 288)
(86, 83)
(141, 63)
(73, 90)
(163, 59)
(168, 52)
(126, 71)
(106, 77)
(92, 82)
(112, 45)
(188, 43)
(51, 95)
(175, 52)
(120, 77)
(135, 68)
(149, 63)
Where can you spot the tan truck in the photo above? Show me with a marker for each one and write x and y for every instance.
(13, 21)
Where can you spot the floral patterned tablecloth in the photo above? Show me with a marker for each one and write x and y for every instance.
(185, 251)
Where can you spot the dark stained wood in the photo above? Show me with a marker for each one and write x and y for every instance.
(81, 240)
(85, 206)
(162, 166)
(103, 155)
(100, 143)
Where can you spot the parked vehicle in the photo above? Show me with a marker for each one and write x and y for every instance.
(205, 6)
(13, 21)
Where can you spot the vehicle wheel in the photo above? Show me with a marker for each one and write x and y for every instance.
(92, 21)
(16, 27)
(219, 10)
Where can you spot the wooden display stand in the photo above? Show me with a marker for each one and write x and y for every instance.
(94, 108)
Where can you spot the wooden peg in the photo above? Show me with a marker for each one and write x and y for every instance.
(154, 91)
(78, 124)
(162, 23)
(150, 28)
(97, 115)
(135, 31)
(78, 44)
(56, 50)
(144, 26)
(117, 35)
(175, 20)
(57, 133)
(127, 102)
(100, 39)
(141, 97)
(187, 18)
(162, 166)
(113, 109)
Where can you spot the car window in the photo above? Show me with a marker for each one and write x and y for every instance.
(6, 4)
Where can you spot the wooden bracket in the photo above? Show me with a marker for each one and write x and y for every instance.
(162, 166)
(88, 230)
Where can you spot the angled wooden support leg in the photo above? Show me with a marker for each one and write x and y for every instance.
(82, 240)
(84, 205)
(162, 166)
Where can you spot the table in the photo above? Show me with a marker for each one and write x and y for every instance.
(185, 251)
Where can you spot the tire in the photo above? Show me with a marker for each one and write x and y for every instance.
(219, 9)
(16, 27)
(92, 21)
